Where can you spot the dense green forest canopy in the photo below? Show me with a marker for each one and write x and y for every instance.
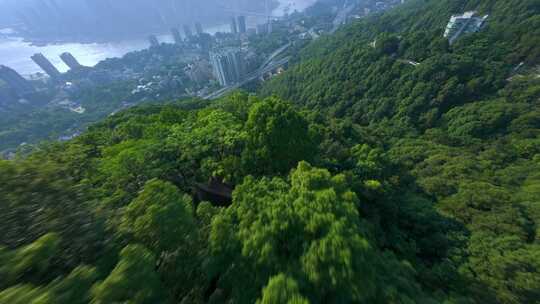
(358, 178)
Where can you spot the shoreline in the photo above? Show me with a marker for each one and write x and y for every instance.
(55, 41)
(18, 48)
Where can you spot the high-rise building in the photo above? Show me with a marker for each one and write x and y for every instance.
(46, 65)
(70, 61)
(228, 65)
(199, 29)
(270, 26)
(251, 31)
(15, 81)
(234, 27)
(262, 28)
(153, 40)
(176, 35)
(187, 31)
(467, 23)
(242, 24)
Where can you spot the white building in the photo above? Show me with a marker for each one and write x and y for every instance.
(466, 23)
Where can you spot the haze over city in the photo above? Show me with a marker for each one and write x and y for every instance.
(87, 20)
(96, 30)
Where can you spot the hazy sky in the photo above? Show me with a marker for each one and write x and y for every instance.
(169, 10)
(95, 19)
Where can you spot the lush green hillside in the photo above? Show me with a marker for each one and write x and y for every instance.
(464, 122)
(379, 182)
(344, 75)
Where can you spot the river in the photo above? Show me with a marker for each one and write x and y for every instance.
(15, 52)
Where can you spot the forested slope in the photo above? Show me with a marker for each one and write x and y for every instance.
(464, 121)
(361, 179)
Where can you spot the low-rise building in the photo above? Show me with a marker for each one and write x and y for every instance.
(199, 71)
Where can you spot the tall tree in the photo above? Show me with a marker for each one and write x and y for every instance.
(133, 280)
(160, 217)
(309, 228)
(278, 138)
(282, 290)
